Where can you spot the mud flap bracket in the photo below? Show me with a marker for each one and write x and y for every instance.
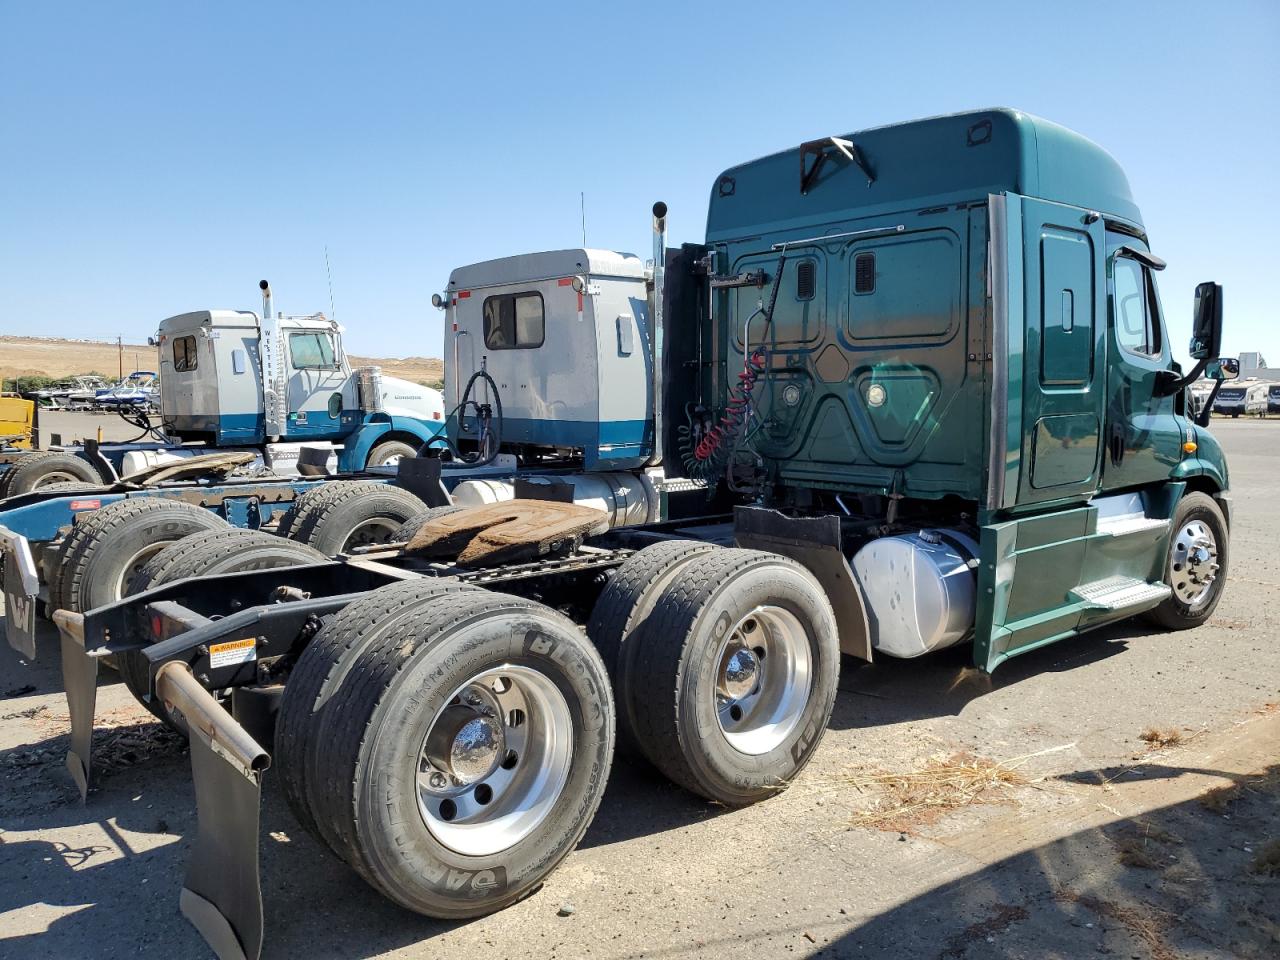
(222, 892)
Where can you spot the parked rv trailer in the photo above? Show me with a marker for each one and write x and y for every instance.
(1244, 397)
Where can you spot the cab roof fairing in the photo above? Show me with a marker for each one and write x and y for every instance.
(532, 267)
(937, 161)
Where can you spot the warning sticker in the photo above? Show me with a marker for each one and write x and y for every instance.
(232, 652)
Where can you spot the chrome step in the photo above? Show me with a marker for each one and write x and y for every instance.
(1120, 593)
(1127, 524)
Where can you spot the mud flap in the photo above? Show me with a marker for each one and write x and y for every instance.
(814, 543)
(21, 587)
(222, 893)
(80, 681)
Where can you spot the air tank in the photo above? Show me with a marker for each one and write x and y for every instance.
(628, 498)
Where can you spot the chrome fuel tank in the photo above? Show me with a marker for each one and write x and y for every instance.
(920, 590)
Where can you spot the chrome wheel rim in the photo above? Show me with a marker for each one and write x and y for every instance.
(136, 563)
(371, 533)
(764, 672)
(1194, 566)
(495, 760)
(56, 476)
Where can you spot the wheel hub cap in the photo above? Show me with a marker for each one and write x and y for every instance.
(738, 677)
(1194, 565)
(476, 749)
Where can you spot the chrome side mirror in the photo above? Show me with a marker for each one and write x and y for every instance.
(1224, 368)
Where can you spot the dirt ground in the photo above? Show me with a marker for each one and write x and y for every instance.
(1087, 840)
(53, 357)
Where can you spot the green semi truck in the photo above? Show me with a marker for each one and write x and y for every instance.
(914, 390)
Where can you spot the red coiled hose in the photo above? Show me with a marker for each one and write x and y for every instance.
(735, 410)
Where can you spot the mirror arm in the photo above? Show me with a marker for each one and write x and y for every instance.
(1168, 383)
(1207, 409)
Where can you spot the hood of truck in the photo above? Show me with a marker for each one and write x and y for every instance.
(403, 398)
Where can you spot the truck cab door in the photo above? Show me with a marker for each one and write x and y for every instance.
(1063, 323)
(1143, 434)
(316, 373)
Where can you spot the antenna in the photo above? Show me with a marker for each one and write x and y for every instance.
(333, 311)
(582, 205)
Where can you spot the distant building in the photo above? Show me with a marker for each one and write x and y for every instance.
(1251, 360)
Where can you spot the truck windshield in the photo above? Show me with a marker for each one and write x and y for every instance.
(311, 351)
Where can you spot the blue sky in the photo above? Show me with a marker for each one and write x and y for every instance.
(163, 157)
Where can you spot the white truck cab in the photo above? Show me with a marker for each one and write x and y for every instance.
(567, 336)
(231, 378)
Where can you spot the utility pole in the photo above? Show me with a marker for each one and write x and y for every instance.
(120, 355)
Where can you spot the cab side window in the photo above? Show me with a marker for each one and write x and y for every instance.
(311, 351)
(184, 354)
(1135, 308)
(514, 321)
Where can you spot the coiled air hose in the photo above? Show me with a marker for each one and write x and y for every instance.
(707, 456)
(488, 441)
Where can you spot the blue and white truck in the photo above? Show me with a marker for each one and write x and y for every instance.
(234, 380)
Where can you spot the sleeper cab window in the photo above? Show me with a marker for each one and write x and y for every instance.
(514, 321)
(1135, 308)
(184, 354)
(311, 351)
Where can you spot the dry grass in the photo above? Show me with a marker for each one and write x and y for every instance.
(1137, 845)
(1146, 923)
(903, 801)
(1161, 737)
(1220, 799)
(1266, 862)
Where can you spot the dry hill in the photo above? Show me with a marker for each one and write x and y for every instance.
(53, 357)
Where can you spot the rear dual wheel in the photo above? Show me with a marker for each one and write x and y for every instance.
(341, 515)
(40, 469)
(724, 666)
(450, 744)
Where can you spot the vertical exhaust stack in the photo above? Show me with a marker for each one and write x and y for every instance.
(659, 284)
(266, 299)
(269, 361)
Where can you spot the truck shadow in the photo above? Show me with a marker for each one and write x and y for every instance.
(1186, 879)
(944, 683)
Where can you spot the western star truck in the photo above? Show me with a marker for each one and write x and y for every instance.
(920, 389)
(231, 380)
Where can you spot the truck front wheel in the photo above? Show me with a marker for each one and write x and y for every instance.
(733, 675)
(1196, 565)
(389, 453)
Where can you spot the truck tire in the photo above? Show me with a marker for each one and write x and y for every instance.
(107, 547)
(465, 751)
(337, 517)
(404, 533)
(1196, 565)
(390, 452)
(50, 561)
(734, 675)
(320, 671)
(228, 550)
(37, 470)
(625, 603)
